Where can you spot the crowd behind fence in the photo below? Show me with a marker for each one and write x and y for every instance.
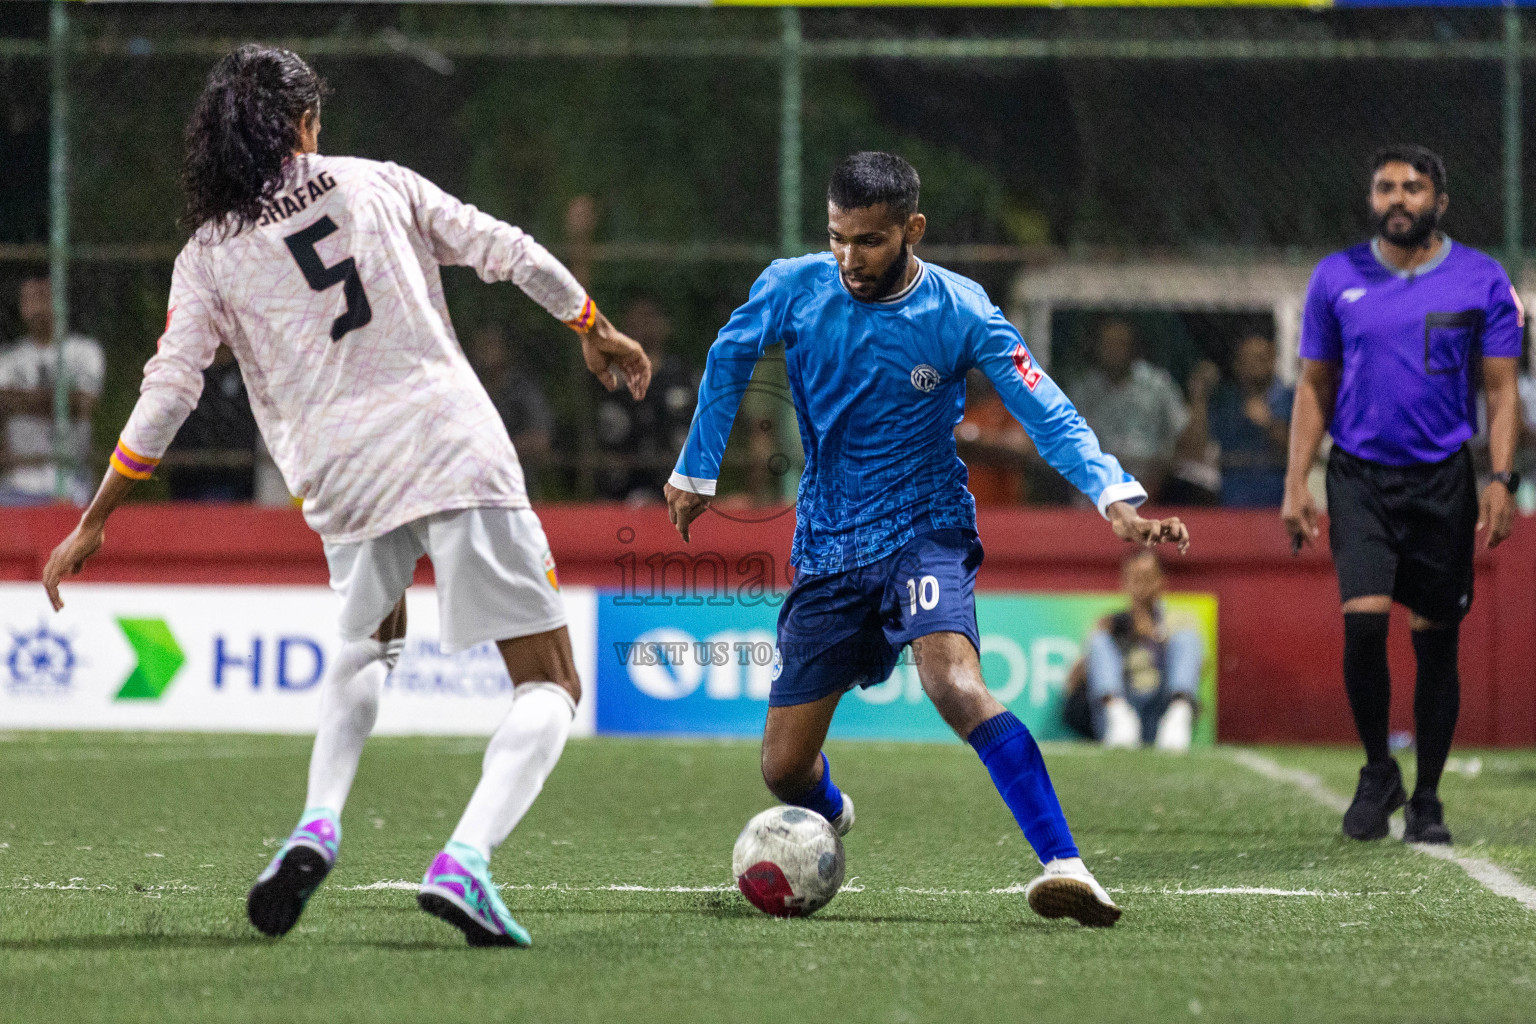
(668, 155)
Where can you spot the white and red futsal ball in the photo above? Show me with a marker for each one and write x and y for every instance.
(788, 862)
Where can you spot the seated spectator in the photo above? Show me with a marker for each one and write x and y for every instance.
(642, 438)
(517, 396)
(1135, 408)
(993, 445)
(1250, 421)
(214, 455)
(27, 375)
(1143, 675)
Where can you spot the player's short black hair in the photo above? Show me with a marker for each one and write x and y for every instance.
(243, 133)
(870, 178)
(1425, 161)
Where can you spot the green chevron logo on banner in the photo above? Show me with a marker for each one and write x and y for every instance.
(159, 655)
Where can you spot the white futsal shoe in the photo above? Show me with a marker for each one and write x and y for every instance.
(1068, 889)
(844, 821)
(1176, 729)
(1122, 725)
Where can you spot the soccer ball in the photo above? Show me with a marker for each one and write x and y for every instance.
(788, 862)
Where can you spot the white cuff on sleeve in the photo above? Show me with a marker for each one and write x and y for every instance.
(696, 486)
(1130, 491)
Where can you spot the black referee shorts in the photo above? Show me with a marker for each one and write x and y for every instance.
(1404, 531)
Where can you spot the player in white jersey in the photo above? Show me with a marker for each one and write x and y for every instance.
(321, 275)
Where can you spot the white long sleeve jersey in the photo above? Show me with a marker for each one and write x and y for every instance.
(333, 305)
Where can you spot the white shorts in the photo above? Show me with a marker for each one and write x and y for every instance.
(495, 576)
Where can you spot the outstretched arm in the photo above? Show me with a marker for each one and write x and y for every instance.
(86, 538)
(173, 382)
(463, 235)
(1065, 440)
(727, 375)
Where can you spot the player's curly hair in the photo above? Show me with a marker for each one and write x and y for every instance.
(243, 133)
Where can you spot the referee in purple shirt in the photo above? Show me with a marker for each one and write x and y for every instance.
(1397, 336)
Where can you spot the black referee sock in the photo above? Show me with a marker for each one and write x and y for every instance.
(1436, 701)
(1367, 680)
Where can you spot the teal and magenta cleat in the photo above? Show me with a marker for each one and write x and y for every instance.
(458, 889)
(278, 897)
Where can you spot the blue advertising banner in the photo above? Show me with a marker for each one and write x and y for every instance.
(705, 668)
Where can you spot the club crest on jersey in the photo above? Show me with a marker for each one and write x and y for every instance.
(1028, 371)
(925, 378)
(549, 569)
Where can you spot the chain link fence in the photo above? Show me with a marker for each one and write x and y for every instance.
(669, 154)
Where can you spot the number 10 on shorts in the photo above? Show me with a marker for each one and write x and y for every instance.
(923, 592)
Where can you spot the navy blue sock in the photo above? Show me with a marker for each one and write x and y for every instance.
(1013, 758)
(824, 797)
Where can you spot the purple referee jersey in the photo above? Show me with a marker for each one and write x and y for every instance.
(1410, 344)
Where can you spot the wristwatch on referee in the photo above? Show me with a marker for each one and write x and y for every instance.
(1511, 481)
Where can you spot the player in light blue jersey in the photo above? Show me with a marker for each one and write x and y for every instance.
(877, 344)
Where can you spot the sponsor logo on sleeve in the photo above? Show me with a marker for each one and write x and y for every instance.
(1029, 373)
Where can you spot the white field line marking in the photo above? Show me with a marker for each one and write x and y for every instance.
(157, 890)
(1492, 877)
(1011, 890)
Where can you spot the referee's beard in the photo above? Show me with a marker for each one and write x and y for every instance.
(1418, 232)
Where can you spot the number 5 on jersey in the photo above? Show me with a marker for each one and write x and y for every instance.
(321, 277)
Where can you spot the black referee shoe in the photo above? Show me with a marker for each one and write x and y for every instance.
(1424, 821)
(1379, 793)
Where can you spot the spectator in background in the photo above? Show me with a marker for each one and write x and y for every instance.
(993, 445)
(1251, 420)
(516, 395)
(642, 438)
(1196, 476)
(1245, 423)
(1143, 673)
(1135, 408)
(214, 455)
(27, 374)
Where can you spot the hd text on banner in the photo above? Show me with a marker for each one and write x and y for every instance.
(237, 659)
(666, 667)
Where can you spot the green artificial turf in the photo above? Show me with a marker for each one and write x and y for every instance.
(124, 862)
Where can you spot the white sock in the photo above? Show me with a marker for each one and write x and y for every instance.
(349, 705)
(519, 758)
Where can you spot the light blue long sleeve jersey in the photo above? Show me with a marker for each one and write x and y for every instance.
(878, 388)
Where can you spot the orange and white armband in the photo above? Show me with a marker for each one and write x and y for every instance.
(586, 319)
(131, 464)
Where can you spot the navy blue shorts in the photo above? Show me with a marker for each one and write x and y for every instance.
(846, 629)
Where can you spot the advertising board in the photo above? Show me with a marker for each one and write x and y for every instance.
(236, 659)
(667, 667)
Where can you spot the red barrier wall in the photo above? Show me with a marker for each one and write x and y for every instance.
(1280, 632)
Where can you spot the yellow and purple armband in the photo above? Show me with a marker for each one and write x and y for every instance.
(131, 464)
(586, 319)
